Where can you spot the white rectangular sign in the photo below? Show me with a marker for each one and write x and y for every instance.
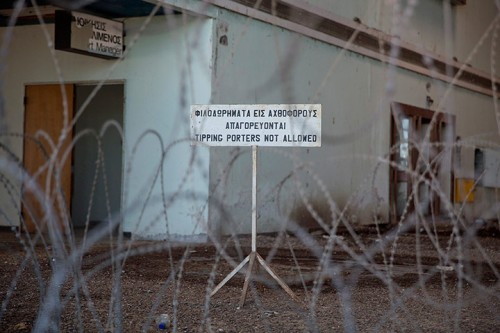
(97, 35)
(88, 34)
(284, 125)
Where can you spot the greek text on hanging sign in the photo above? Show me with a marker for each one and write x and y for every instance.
(88, 34)
(283, 125)
(99, 35)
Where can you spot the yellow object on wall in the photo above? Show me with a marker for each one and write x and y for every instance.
(464, 190)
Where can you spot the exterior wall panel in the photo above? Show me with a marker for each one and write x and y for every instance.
(163, 74)
(348, 175)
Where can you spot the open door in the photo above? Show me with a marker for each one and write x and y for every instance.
(421, 171)
(47, 161)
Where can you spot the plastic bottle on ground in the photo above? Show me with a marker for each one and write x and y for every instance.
(163, 322)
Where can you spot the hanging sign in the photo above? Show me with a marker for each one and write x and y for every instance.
(88, 34)
(284, 125)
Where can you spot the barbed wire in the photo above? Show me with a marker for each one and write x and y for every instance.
(353, 269)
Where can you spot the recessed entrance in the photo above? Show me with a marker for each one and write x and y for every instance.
(421, 172)
(82, 185)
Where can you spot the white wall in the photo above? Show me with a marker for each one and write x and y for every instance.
(349, 173)
(474, 43)
(167, 69)
(425, 24)
(284, 67)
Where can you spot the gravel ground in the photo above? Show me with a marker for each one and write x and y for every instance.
(358, 287)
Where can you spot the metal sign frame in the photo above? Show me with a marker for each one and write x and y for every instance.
(254, 125)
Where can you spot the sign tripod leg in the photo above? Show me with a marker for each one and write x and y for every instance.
(250, 259)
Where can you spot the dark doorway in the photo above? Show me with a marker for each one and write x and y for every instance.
(97, 157)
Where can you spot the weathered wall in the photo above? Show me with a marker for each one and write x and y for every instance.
(349, 173)
(158, 73)
(457, 33)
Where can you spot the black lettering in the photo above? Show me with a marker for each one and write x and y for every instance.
(101, 48)
(270, 137)
(105, 37)
(300, 138)
(99, 25)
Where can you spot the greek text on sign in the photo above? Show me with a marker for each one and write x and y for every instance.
(88, 35)
(284, 125)
(97, 35)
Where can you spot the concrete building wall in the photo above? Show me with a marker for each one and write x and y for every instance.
(432, 25)
(349, 175)
(231, 59)
(167, 68)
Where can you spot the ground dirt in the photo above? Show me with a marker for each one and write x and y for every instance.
(357, 287)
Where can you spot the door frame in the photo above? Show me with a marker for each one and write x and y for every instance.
(418, 117)
(64, 215)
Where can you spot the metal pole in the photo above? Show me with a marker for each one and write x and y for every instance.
(250, 259)
(254, 198)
